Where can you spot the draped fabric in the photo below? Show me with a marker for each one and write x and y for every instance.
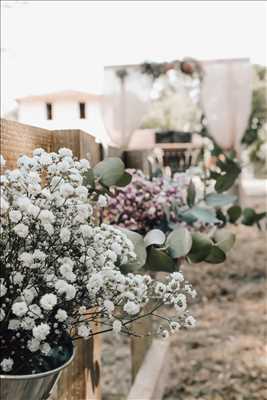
(126, 100)
(226, 100)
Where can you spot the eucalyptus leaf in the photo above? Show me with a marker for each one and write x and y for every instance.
(224, 239)
(89, 178)
(205, 215)
(201, 247)
(225, 182)
(187, 217)
(158, 260)
(250, 216)
(155, 236)
(110, 171)
(216, 255)
(191, 194)
(124, 180)
(179, 242)
(220, 200)
(220, 215)
(234, 213)
(230, 172)
(139, 249)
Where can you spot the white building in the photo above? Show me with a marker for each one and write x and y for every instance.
(63, 110)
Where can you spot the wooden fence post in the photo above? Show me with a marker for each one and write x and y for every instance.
(80, 380)
(140, 346)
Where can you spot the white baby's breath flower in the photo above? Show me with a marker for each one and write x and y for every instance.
(46, 217)
(45, 348)
(131, 308)
(4, 205)
(64, 152)
(84, 331)
(84, 211)
(3, 288)
(2, 314)
(165, 334)
(38, 152)
(14, 324)
(15, 216)
(65, 235)
(116, 326)
(66, 190)
(174, 326)
(48, 301)
(84, 163)
(7, 364)
(29, 294)
(18, 278)
(190, 322)
(61, 315)
(33, 210)
(21, 230)
(82, 192)
(33, 345)
(177, 276)
(26, 259)
(49, 229)
(35, 311)
(102, 201)
(86, 230)
(27, 323)
(41, 331)
(70, 292)
(109, 306)
(20, 308)
(39, 255)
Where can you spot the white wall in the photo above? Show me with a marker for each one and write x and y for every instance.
(66, 115)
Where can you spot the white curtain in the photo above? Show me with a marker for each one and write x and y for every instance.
(226, 100)
(125, 103)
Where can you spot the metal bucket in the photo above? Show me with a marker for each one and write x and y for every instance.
(30, 387)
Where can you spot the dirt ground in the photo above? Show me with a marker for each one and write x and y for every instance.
(225, 357)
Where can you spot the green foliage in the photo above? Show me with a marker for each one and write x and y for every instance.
(179, 242)
(250, 216)
(225, 240)
(89, 179)
(154, 237)
(234, 213)
(191, 194)
(230, 171)
(215, 256)
(111, 172)
(206, 215)
(201, 247)
(159, 260)
(219, 200)
(139, 249)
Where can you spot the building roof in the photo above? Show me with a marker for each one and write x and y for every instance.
(64, 94)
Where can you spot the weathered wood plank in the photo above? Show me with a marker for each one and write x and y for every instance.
(81, 380)
(150, 380)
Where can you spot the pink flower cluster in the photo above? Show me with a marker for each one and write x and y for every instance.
(145, 204)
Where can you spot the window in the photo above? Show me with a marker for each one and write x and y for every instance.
(49, 111)
(82, 110)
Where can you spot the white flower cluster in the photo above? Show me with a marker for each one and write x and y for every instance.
(59, 262)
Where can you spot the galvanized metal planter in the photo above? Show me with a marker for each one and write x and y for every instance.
(30, 387)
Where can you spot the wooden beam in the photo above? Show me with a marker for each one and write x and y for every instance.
(151, 379)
